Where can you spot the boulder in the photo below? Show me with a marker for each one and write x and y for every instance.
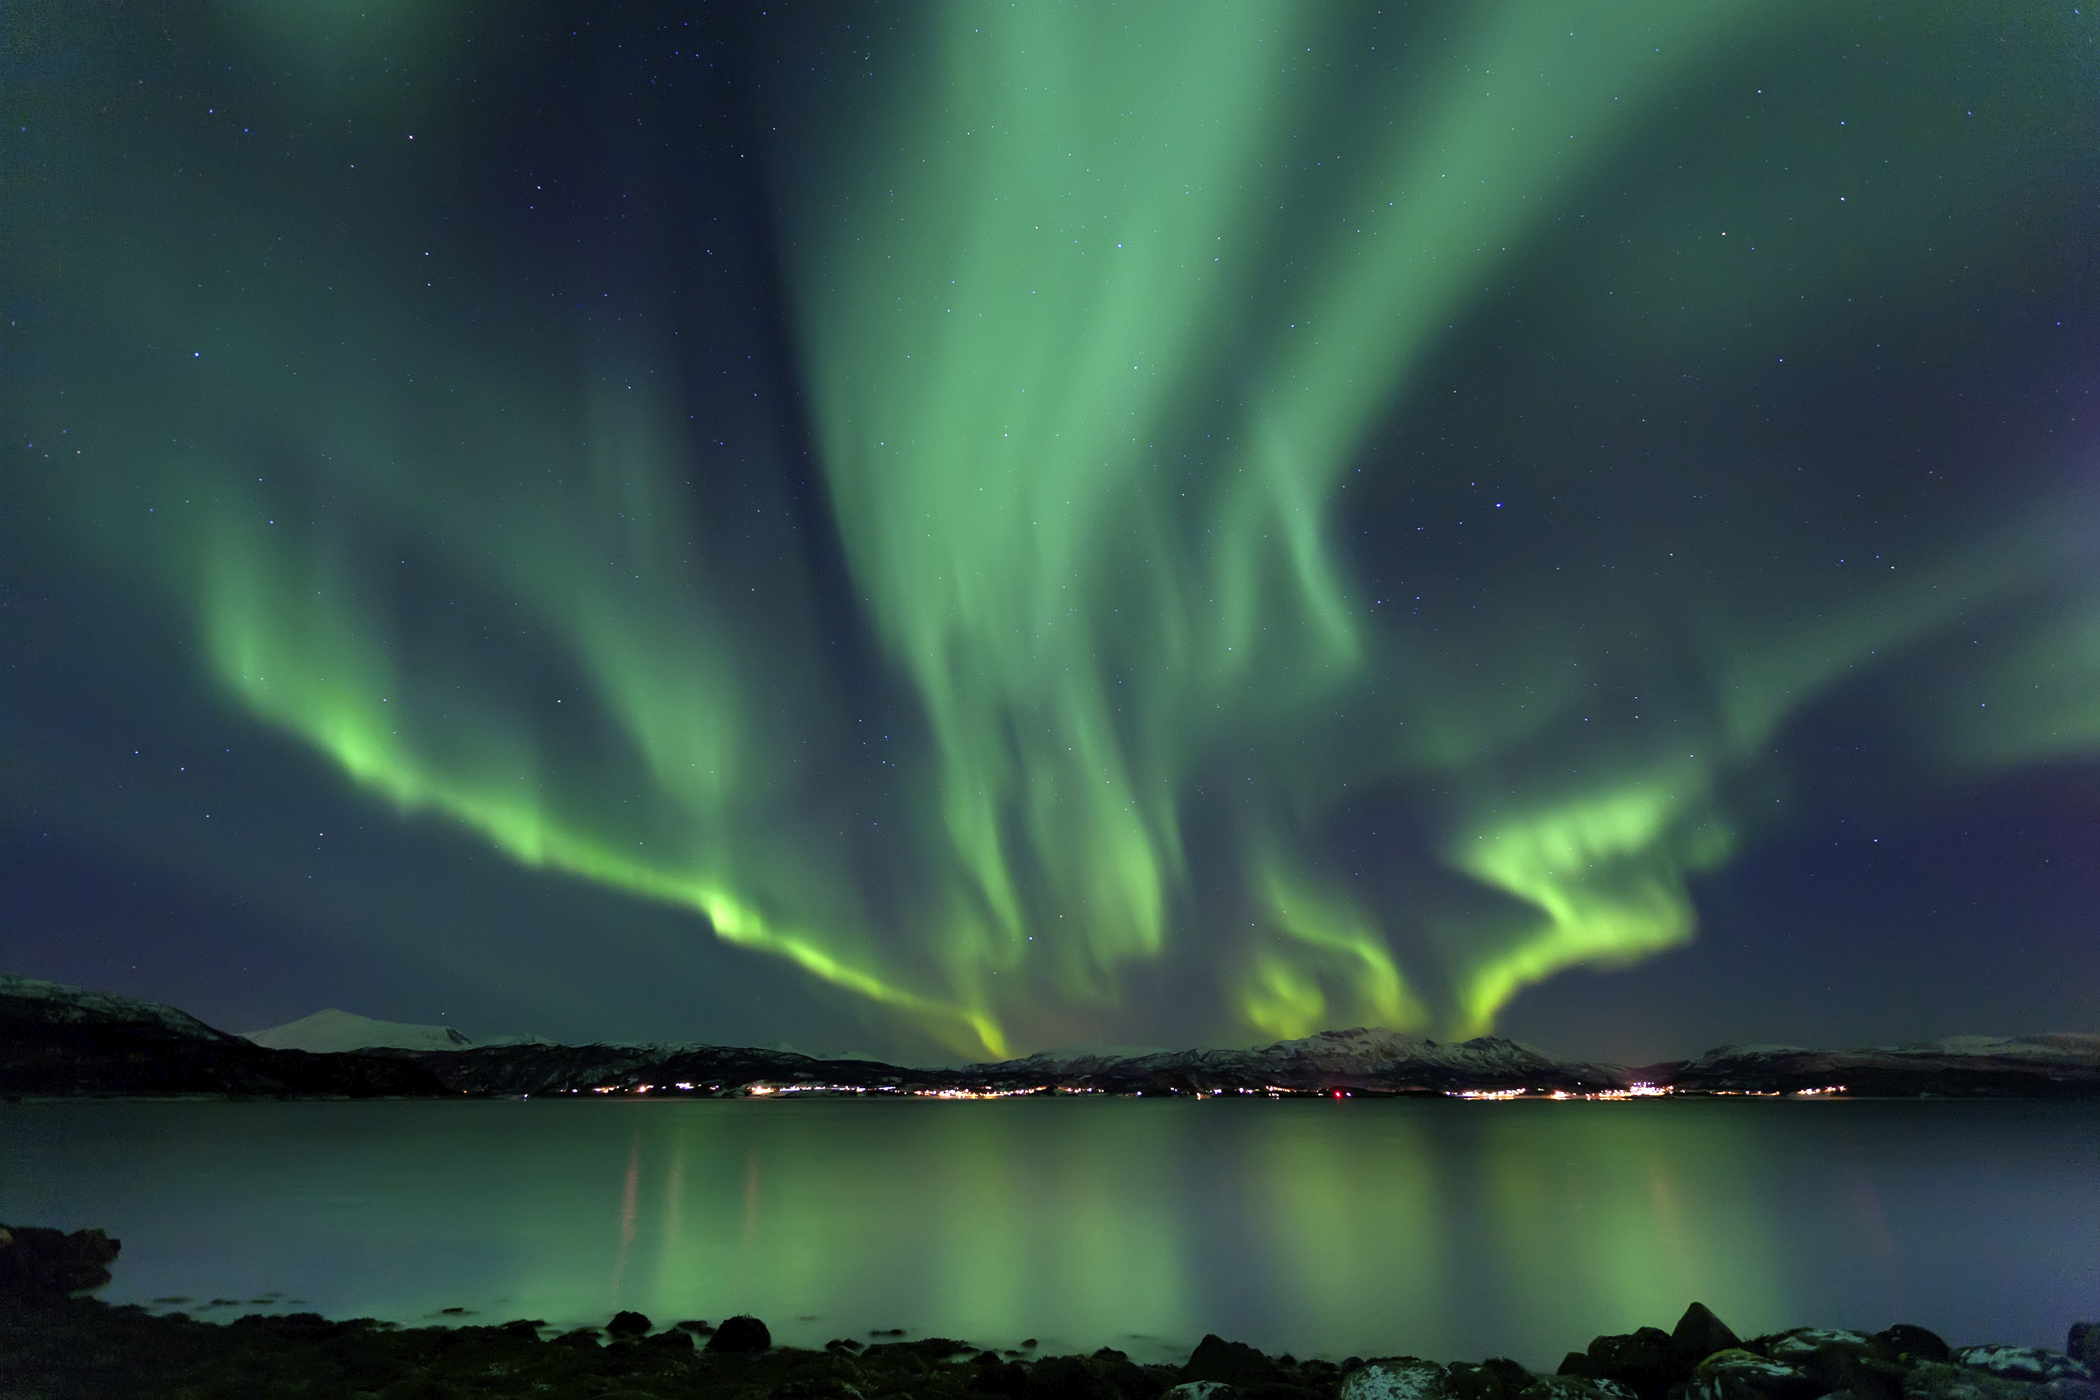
(1065, 1378)
(1647, 1362)
(2085, 1343)
(1860, 1366)
(1516, 1378)
(1234, 1363)
(1284, 1390)
(1739, 1374)
(816, 1388)
(1914, 1343)
(1943, 1380)
(628, 1324)
(1398, 1378)
(2067, 1388)
(1202, 1390)
(742, 1334)
(1471, 1381)
(1797, 1345)
(1125, 1377)
(1699, 1334)
(36, 1262)
(1574, 1388)
(2023, 1363)
(996, 1377)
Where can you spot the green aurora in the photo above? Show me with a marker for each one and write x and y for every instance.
(1123, 340)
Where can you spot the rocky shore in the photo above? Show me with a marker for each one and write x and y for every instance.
(57, 1345)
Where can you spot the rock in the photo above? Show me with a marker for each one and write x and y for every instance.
(1574, 1387)
(628, 1324)
(1737, 1374)
(1699, 1334)
(1234, 1363)
(2067, 1388)
(1282, 1390)
(1476, 1382)
(526, 1327)
(1913, 1342)
(2085, 1343)
(941, 1348)
(674, 1339)
(419, 1387)
(36, 1262)
(1202, 1390)
(741, 1335)
(1863, 1367)
(1515, 1377)
(1125, 1377)
(816, 1388)
(1398, 1378)
(1065, 1378)
(1647, 1362)
(999, 1377)
(1802, 1342)
(1942, 1380)
(2024, 1363)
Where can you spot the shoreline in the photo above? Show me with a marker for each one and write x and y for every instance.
(59, 1345)
(63, 1041)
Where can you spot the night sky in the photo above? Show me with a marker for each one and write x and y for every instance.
(948, 530)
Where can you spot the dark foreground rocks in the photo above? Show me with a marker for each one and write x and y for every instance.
(37, 1262)
(58, 1347)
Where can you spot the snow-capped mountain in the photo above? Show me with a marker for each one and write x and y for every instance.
(1366, 1058)
(329, 1031)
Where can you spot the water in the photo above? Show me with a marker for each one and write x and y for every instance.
(1435, 1228)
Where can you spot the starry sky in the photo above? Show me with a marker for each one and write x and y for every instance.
(947, 530)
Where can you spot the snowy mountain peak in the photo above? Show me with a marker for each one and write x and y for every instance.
(330, 1031)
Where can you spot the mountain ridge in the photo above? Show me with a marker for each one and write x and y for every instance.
(56, 1039)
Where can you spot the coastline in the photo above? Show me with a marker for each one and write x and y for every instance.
(58, 1345)
(63, 1041)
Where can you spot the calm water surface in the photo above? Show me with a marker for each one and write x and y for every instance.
(1435, 1227)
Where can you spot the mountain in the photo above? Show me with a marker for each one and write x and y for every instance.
(2036, 1066)
(326, 1032)
(1360, 1061)
(56, 1039)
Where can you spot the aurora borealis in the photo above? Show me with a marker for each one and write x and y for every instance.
(957, 530)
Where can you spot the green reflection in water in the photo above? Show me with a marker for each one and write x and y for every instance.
(1358, 1224)
(1434, 1228)
(1636, 1215)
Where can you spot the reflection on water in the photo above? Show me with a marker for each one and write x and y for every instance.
(1433, 1227)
